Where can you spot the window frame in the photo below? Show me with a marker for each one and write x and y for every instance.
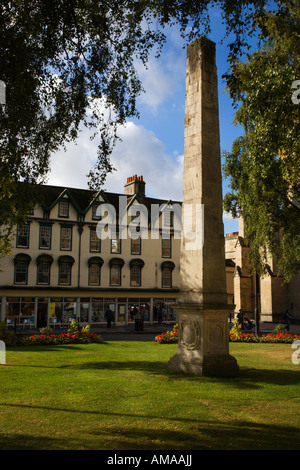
(98, 266)
(59, 208)
(163, 248)
(97, 239)
(69, 264)
(119, 243)
(26, 264)
(37, 273)
(49, 226)
(164, 271)
(139, 246)
(139, 268)
(70, 227)
(18, 245)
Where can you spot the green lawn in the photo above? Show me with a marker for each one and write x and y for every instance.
(120, 395)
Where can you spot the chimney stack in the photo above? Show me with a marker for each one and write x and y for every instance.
(135, 185)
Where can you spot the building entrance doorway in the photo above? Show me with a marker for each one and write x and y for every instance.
(121, 313)
(42, 315)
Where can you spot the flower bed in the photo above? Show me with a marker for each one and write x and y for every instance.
(170, 337)
(235, 335)
(263, 338)
(43, 339)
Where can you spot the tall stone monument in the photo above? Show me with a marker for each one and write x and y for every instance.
(202, 309)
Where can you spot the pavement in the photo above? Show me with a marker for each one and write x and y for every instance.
(149, 332)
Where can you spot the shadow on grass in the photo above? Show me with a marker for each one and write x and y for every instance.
(248, 377)
(161, 434)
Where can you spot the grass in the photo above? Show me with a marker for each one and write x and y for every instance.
(120, 396)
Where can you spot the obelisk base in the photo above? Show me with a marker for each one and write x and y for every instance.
(203, 342)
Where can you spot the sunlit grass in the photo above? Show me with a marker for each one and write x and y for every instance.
(120, 395)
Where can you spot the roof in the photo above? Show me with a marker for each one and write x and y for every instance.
(82, 199)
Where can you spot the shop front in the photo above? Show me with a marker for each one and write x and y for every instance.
(58, 312)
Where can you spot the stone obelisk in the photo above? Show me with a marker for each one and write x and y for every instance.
(202, 309)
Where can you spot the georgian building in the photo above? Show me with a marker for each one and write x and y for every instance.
(81, 252)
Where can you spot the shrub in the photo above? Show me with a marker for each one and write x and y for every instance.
(73, 328)
(46, 330)
(279, 327)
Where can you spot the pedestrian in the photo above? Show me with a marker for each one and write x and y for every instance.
(287, 318)
(159, 314)
(109, 316)
(240, 317)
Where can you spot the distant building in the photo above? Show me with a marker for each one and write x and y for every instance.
(62, 270)
(274, 296)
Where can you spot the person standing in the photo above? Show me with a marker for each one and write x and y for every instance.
(159, 314)
(287, 318)
(240, 317)
(109, 316)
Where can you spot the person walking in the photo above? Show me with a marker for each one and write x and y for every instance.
(240, 317)
(109, 316)
(159, 315)
(287, 318)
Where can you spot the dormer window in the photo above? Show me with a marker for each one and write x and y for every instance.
(94, 212)
(63, 208)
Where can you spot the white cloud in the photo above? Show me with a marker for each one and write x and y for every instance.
(162, 79)
(140, 152)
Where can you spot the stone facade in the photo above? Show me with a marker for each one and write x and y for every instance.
(60, 269)
(274, 295)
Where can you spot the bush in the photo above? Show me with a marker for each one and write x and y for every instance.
(279, 327)
(46, 331)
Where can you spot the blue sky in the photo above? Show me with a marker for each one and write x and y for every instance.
(153, 145)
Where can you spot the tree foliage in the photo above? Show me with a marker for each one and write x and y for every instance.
(264, 164)
(68, 62)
